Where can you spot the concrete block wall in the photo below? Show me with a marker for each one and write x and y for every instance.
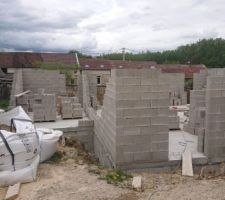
(51, 81)
(80, 87)
(92, 79)
(44, 107)
(94, 86)
(207, 113)
(85, 90)
(199, 79)
(142, 100)
(174, 120)
(23, 101)
(197, 110)
(215, 118)
(197, 116)
(175, 82)
(66, 110)
(17, 86)
(70, 108)
(104, 148)
(133, 126)
(216, 71)
(83, 133)
(207, 116)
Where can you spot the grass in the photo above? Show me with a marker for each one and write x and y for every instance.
(112, 176)
(117, 176)
(4, 104)
(56, 158)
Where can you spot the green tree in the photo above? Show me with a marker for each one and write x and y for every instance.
(210, 52)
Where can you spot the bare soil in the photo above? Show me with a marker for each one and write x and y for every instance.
(71, 179)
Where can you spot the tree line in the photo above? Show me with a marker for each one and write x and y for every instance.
(210, 52)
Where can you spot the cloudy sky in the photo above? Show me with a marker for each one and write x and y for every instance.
(108, 25)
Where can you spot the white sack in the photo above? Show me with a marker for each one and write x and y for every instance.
(25, 148)
(15, 113)
(24, 126)
(28, 145)
(48, 142)
(25, 175)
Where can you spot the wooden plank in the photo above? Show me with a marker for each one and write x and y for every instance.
(21, 94)
(13, 192)
(187, 168)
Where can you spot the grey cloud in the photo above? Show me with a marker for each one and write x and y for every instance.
(15, 16)
(98, 25)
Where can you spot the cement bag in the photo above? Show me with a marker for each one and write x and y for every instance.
(48, 140)
(17, 151)
(25, 175)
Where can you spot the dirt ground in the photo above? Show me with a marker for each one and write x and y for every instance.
(70, 179)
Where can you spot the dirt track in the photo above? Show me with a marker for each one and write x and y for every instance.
(71, 179)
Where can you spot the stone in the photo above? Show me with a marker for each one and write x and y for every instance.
(137, 183)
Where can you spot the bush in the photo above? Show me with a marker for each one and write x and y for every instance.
(117, 176)
(4, 104)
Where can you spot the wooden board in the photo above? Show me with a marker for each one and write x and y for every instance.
(187, 168)
(13, 192)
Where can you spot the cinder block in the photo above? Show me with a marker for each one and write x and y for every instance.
(160, 156)
(142, 156)
(159, 146)
(84, 123)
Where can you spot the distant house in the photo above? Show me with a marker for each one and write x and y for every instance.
(99, 69)
(12, 60)
(107, 65)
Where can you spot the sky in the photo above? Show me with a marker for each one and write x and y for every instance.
(105, 26)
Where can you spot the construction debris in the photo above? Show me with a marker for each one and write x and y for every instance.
(13, 192)
(187, 168)
(137, 183)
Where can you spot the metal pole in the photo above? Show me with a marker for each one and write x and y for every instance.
(78, 63)
(124, 54)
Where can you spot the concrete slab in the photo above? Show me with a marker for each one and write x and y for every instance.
(58, 124)
(179, 141)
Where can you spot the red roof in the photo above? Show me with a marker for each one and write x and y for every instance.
(100, 64)
(60, 58)
(19, 60)
(188, 70)
(29, 60)
(6, 60)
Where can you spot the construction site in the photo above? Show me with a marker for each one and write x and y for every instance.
(112, 130)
